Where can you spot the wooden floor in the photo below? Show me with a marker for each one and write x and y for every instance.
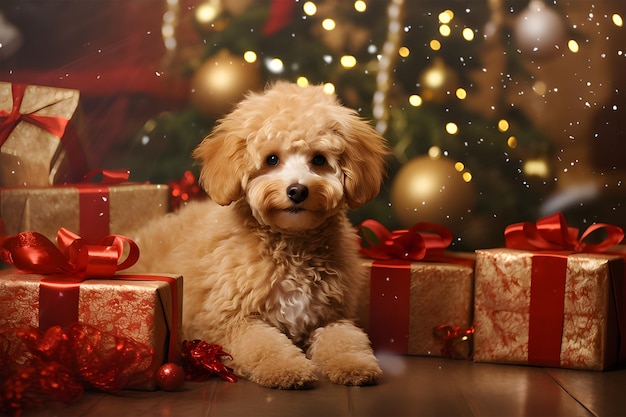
(412, 386)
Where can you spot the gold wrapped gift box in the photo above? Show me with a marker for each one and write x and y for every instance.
(91, 210)
(586, 332)
(141, 310)
(33, 123)
(405, 302)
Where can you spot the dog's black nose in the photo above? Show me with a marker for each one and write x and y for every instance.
(297, 193)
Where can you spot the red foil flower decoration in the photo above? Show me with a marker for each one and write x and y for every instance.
(59, 364)
(451, 336)
(201, 360)
(183, 190)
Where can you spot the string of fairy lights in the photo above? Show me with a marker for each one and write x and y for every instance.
(392, 49)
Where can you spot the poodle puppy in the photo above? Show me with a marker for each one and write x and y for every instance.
(270, 262)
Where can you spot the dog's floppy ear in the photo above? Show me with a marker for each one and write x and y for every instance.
(363, 161)
(223, 161)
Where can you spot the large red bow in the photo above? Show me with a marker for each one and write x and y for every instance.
(553, 233)
(420, 242)
(8, 121)
(33, 252)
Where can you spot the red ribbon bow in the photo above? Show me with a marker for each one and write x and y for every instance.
(34, 253)
(421, 242)
(553, 233)
(54, 125)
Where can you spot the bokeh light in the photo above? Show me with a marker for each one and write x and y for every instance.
(360, 6)
(250, 56)
(309, 8)
(329, 24)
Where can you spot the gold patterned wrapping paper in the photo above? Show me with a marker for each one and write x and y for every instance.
(139, 310)
(590, 332)
(400, 314)
(30, 153)
(46, 210)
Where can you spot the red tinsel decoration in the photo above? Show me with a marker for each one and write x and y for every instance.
(201, 360)
(59, 364)
(185, 189)
(451, 336)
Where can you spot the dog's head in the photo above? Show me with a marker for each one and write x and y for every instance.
(295, 154)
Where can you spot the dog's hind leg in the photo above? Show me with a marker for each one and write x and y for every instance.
(264, 355)
(342, 352)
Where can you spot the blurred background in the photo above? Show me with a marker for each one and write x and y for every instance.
(497, 111)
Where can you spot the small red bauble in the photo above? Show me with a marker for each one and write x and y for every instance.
(170, 377)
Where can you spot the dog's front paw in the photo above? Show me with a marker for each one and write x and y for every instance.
(353, 369)
(296, 373)
(342, 353)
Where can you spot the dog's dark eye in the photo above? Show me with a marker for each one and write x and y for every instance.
(272, 160)
(318, 160)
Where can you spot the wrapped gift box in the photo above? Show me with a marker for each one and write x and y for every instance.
(549, 309)
(36, 139)
(90, 209)
(144, 308)
(406, 301)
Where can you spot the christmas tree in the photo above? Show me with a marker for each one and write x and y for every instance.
(458, 88)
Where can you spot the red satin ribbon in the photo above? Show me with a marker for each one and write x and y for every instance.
(390, 301)
(422, 241)
(32, 252)
(94, 216)
(553, 233)
(54, 125)
(547, 302)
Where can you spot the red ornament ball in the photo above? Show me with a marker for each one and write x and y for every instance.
(170, 377)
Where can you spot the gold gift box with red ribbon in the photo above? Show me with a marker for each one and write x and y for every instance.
(77, 288)
(549, 299)
(419, 297)
(91, 209)
(38, 145)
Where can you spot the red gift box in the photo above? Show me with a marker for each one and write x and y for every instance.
(537, 302)
(416, 291)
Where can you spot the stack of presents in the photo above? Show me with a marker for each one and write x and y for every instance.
(546, 299)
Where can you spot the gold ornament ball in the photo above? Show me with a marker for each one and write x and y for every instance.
(431, 190)
(539, 30)
(222, 81)
(438, 82)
